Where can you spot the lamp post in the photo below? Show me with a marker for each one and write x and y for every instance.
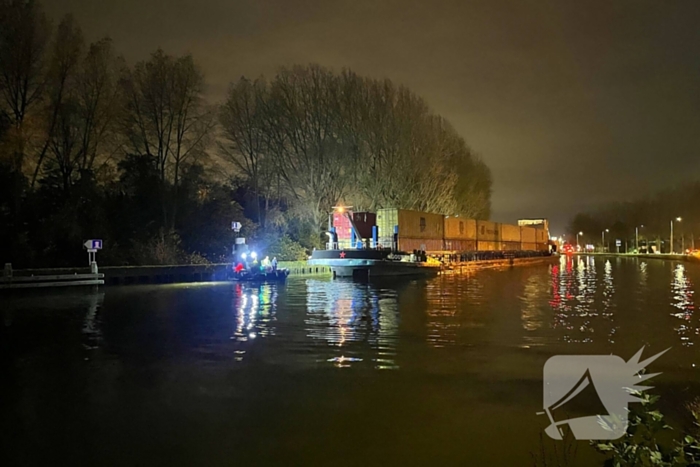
(670, 248)
(636, 237)
(603, 235)
(577, 245)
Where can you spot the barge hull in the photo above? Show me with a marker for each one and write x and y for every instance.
(375, 268)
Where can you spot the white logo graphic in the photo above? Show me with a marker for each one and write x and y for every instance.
(590, 393)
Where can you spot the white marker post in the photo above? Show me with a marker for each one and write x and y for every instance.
(92, 247)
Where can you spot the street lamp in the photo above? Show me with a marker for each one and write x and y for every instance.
(670, 248)
(636, 237)
(577, 245)
(603, 234)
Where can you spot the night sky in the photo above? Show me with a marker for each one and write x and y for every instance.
(570, 103)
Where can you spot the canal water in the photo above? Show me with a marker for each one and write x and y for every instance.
(442, 371)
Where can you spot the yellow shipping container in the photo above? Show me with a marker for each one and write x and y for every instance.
(529, 235)
(488, 246)
(510, 246)
(530, 246)
(428, 245)
(411, 224)
(459, 245)
(487, 231)
(510, 233)
(460, 228)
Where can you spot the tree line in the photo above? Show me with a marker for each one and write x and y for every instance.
(135, 154)
(649, 217)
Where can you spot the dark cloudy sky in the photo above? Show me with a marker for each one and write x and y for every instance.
(571, 103)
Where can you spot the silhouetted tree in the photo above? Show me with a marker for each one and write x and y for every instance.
(24, 35)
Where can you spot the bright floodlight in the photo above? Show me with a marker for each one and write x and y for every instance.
(244, 256)
(254, 255)
(678, 219)
(580, 233)
(607, 230)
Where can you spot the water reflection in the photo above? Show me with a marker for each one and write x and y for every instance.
(582, 307)
(532, 314)
(91, 323)
(682, 298)
(456, 306)
(255, 308)
(349, 316)
(643, 275)
(443, 297)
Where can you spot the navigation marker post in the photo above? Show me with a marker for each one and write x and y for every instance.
(239, 247)
(92, 246)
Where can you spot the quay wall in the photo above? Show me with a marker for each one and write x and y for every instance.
(168, 274)
(184, 273)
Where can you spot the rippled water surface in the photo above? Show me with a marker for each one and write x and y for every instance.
(444, 371)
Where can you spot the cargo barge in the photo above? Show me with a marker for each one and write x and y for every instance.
(397, 242)
(366, 264)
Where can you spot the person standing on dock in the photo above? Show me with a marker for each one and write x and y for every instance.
(274, 263)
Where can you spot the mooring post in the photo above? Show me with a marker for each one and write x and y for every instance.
(93, 267)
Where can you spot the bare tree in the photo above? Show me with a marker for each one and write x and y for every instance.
(98, 96)
(165, 116)
(24, 35)
(342, 137)
(63, 67)
(304, 143)
(82, 110)
(243, 121)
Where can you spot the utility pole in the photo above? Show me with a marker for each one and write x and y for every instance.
(602, 247)
(670, 248)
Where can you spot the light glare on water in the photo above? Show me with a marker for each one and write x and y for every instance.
(445, 371)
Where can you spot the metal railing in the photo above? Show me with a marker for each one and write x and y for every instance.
(384, 244)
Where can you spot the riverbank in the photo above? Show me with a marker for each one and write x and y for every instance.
(166, 274)
(185, 273)
(666, 256)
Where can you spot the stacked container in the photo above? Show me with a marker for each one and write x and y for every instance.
(510, 237)
(488, 236)
(416, 230)
(342, 226)
(460, 234)
(407, 230)
(529, 239)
